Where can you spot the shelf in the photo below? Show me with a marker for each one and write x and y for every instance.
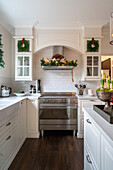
(57, 68)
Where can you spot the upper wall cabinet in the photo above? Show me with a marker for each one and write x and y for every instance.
(23, 58)
(92, 55)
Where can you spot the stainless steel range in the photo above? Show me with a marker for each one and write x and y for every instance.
(58, 111)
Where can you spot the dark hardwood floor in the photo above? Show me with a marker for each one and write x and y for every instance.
(57, 150)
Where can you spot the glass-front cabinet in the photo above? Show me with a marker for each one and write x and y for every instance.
(92, 66)
(23, 59)
(23, 67)
(92, 58)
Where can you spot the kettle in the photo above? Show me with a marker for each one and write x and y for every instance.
(6, 91)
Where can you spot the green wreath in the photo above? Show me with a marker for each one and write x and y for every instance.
(92, 49)
(21, 48)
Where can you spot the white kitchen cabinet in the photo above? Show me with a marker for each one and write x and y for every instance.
(93, 67)
(32, 118)
(22, 122)
(12, 135)
(106, 154)
(8, 140)
(81, 104)
(23, 60)
(92, 141)
(98, 146)
(23, 67)
(87, 161)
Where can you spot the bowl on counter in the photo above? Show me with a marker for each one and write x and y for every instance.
(21, 94)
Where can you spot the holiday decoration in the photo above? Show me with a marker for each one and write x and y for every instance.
(2, 63)
(23, 45)
(92, 45)
(58, 60)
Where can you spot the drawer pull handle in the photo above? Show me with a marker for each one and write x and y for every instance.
(88, 121)
(8, 124)
(8, 137)
(88, 159)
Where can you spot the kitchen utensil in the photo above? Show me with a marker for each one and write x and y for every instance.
(80, 88)
(90, 92)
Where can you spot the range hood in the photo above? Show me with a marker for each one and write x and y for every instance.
(58, 67)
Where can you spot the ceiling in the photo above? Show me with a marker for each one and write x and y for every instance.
(55, 14)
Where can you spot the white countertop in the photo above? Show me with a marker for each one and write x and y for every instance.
(8, 101)
(104, 125)
(87, 97)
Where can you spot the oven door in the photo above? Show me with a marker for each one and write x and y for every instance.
(58, 112)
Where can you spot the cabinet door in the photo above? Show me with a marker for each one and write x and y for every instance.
(92, 140)
(23, 67)
(88, 165)
(22, 121)
(32, 119)
(85, 103)
(7, 147)
(92, 66)
(106, 155)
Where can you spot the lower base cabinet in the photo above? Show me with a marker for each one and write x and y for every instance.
(12, 135)
(81, 104)
(87, 161)
(22, 121)
(106, 154)
(32, 118)
(98, 147)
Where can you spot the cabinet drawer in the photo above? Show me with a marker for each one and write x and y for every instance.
(7, 147)
(92, 140)
(8, 126)
(88, 164)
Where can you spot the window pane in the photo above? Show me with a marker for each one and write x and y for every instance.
(89, 61)
(20, 71)
(26, 61)
(95, 60)
(20, 61)
(95, 71)
(89, 71)
(26, 71)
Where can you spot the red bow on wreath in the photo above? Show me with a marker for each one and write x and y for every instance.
(93, 41)
(23, 40)
(23, 45)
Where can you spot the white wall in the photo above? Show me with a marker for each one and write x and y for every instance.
(5, 73)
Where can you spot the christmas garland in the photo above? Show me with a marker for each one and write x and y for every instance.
(54, 62)
(92, 45)
(2, 63)
(23, 45)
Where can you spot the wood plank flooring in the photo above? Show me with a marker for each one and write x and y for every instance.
(57, 150)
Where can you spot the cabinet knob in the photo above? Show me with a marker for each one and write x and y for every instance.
(88, 159)
(88, 121)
